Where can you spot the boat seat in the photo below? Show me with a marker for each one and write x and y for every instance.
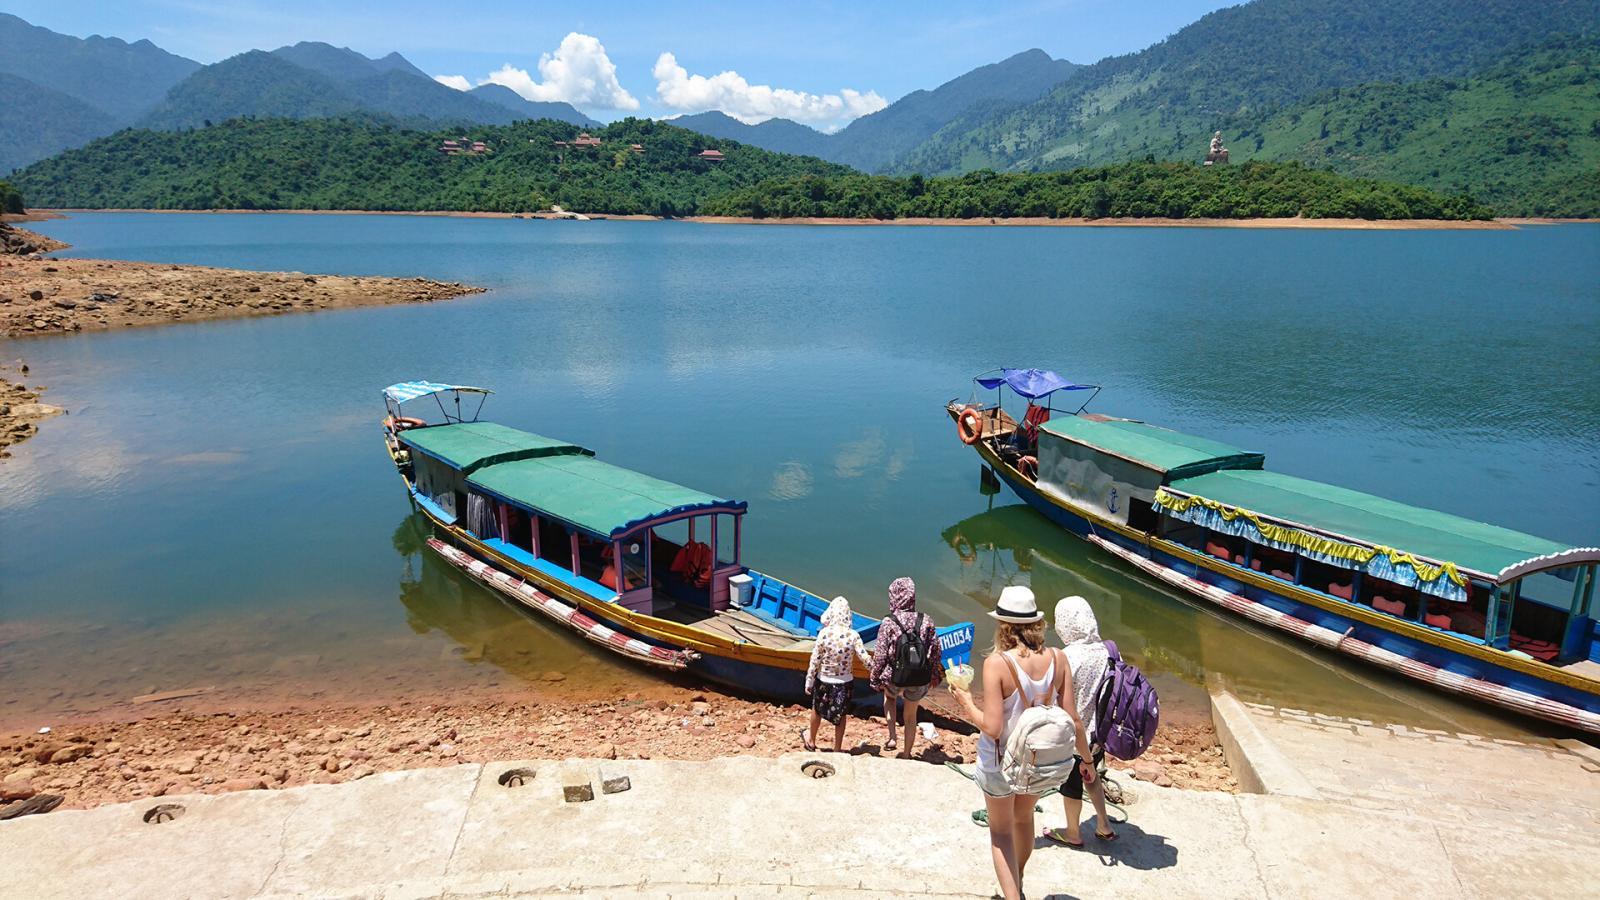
(1384, 604)
(1437, 621)
(1281, 574)
(1342, 591)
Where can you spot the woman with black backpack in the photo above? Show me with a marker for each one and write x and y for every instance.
(905, 661)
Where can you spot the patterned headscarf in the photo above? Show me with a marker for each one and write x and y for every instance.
(1086, 653)
(902, 595)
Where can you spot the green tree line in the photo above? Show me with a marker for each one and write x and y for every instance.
(1135, 190)
(10, 199)
(367, 164)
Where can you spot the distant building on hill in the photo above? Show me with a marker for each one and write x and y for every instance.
(464, 147)
(710, 155)
(635, 148)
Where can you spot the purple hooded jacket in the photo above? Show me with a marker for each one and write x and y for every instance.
(901, 619)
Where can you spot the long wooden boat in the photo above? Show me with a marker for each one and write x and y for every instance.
(1485, 612)
(647, 569)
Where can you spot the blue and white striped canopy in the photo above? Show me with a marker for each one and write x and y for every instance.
(411, 390)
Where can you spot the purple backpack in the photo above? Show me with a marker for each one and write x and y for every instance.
(1126, 710)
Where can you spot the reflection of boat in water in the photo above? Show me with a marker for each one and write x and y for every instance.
(1485, 612)
(650, 570)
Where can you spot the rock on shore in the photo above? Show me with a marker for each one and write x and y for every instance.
(20, 240)
(20, 410)
(54, 296)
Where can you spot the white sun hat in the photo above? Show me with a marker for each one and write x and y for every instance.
(1016, 605)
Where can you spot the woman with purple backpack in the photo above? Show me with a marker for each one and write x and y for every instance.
(1087, 659)
(905, 661)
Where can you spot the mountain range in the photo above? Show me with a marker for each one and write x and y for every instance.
(879, 141)
(58, 91)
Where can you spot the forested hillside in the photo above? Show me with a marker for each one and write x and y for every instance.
(343, 164)
(1135, 190)
(1523, 136)
(1242, 62)
(10, 199)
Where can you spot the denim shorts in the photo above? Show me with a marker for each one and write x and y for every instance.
(912, 694)
(993, 784)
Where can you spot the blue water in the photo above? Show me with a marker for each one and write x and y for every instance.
(217, 506)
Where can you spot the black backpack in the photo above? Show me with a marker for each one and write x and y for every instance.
(911, 666)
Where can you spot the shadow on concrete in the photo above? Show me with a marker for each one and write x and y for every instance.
(1134, 848)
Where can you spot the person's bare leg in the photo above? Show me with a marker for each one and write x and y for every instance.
(1022, 832)
(910, 737)
(889, 719)
(1097, 795)
(1074, 811)
(1002, 849)
(811, 733)
(838, 734)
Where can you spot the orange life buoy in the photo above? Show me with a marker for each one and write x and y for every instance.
(969, 425)
(401, 423)
(1029, 467)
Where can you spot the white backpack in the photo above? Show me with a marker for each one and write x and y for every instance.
(1042, 747)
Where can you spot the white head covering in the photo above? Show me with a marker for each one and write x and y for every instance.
(837, 615)
(1086, 653)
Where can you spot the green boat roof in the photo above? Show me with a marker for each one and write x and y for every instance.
(595, 496)
(1441, 537)
(470, 446)
(1175, 453)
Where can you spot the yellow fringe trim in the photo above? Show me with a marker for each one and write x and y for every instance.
(1283, 534)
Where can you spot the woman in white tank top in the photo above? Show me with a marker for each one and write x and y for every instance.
(1019, 672)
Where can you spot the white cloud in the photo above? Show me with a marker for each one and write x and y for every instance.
(752, 103)
(578, 72)
(459, 82)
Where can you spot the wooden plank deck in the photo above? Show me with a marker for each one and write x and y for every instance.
(733, 623)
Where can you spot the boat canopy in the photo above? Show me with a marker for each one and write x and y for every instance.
(1031, 383)
(1172, 453)
(1423, 548)
(469, 446)
(595, 496)
(411, 390)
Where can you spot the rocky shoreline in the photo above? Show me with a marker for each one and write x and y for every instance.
(60, 296)
(95, 763)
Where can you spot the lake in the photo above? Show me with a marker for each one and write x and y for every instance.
(217, 509)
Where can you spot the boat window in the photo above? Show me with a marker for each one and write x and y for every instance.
(680, 559)
(635, 562)
(1141, 516)
(1387, 597)
(1271, 561)
(1463, 618)
(519, 528)
(1333, 580)
(727, 540)
(555, 543)
(1181, 532)
(1225, 547)
(594, 558)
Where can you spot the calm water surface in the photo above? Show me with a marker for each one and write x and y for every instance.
(217, 510)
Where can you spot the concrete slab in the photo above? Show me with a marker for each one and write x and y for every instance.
(752, 827)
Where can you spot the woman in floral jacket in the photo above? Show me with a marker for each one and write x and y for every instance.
(904, 619)
(831, 679)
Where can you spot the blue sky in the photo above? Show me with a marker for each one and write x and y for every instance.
(824, 62)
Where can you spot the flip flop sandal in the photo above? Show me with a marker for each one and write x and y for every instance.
(1054, 834)
(890, 744)
(810, 747)
(38, 803)
(1107, 837)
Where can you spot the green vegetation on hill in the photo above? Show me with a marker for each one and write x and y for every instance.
(1242, 62)
(1523, 136)
(10, 199)
(1136, 190)
(344, 164)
